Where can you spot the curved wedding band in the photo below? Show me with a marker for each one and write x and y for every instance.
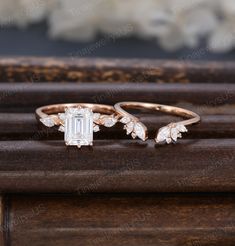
(78, 121)
(167, 134)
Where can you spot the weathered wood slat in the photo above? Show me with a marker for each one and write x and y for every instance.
(18, 96)
(3, 222)
(27, 69)
(156, 219)
(25, 126)
(118, 166)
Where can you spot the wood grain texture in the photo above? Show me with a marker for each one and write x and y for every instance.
(154, 219)
(118, 166)
(28, 69)
(18, 96)
(3, 222)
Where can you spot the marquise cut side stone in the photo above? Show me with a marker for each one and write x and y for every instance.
(96, 116)
(109, 121)
(129, 127)
(140, 131)
(61, 129)
(125, 120)
(48, 121)
(96, 128)
(62, 116)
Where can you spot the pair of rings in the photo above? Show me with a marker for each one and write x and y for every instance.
(78, 121)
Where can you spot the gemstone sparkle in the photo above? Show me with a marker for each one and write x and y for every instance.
(78, 126)
(48, 121)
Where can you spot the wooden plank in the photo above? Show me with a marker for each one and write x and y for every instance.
(25, 126)
(28, 69)
(18, 96)
(154, 219)
(118, 166)
(3, 222)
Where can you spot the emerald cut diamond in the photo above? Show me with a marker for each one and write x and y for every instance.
(78, 126)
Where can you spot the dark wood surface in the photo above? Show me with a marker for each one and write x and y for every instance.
(3, 222)
(154, 219)
(117, 166)
(25, 96)
(34, 160)
(31, 161)
(28, 69)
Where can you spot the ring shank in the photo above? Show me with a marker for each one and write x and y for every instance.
(44, 111)
(192, 117)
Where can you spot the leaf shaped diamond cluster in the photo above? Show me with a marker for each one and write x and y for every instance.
(170, 133)
(136, 129)
(103, 120)
(98, 119)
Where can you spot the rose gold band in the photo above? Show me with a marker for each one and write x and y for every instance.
(194, 118)
(170, 133)
(44, 111)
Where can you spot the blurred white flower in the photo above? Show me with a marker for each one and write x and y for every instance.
(174, 23)
(22, 12)
(223, 37)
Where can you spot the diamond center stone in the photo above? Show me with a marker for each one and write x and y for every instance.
(78, 126)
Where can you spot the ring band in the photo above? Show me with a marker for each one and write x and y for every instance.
(167, 134)
(78, 121)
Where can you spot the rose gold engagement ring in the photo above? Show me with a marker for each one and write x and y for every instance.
(78, 121)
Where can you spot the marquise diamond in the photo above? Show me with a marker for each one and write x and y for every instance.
(109, 121)
(62, 116)
(129, 127)
(61, 129)
(140, 131)
(96, 116)
(125, 120)
(96, 128)
(48, 121)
